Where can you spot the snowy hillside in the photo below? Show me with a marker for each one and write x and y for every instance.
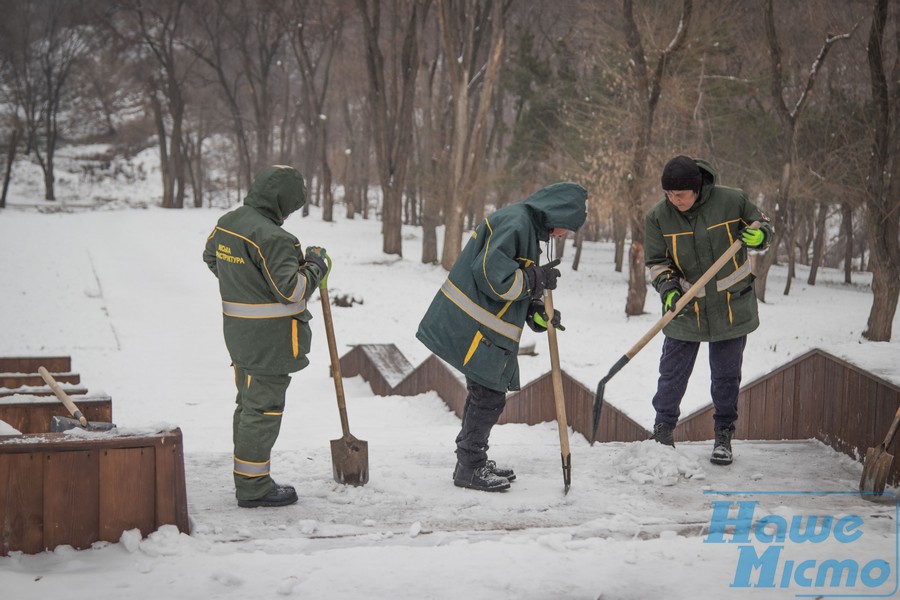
(123, 291)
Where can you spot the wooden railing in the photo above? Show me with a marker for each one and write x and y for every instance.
(815, 396)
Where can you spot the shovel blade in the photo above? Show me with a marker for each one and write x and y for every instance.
(875, 471)
(61, 424)
(350, 460)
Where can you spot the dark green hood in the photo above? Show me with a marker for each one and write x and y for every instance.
(277, 192)
(558, 205)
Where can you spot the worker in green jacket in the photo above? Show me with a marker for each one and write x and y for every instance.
(265, 280)
(685, 233)
(476, 318)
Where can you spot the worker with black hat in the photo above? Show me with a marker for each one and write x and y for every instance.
(685, 233)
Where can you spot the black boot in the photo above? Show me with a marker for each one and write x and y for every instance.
(280, 495)
(500, 471)
(481, 478)
(509, 474)
(663, 433)
(721, 454)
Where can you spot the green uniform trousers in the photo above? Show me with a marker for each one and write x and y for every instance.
(257, 421)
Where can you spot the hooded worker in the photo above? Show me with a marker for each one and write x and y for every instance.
(265, 279)
(475, 320)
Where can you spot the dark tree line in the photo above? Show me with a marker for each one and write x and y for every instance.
(430, 112)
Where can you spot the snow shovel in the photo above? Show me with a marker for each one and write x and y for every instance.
(60, 424)
(878, 464)
(556, 376)
(349, 456)
(682, 302)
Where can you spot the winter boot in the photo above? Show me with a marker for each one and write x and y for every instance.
(500, 471)
(481, 478)
(491, 465)
(663, 433)
(721, 454)
(280, 495)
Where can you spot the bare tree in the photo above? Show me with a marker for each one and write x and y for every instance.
(157, 28)
(392, 93)
(788, 116)
(648, 86)
(43, 44)
(314, 41)
(462, 25)
(883, 187)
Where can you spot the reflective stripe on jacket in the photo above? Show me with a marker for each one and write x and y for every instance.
(475, 320)
(264, 280)
(682, 246)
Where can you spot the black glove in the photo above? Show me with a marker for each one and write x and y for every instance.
(670, 293)
(316, 255)
(537, 317)
(541, 278)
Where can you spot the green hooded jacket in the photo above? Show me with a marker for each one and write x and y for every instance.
(264, 280)
(683, 246)
(475, 320)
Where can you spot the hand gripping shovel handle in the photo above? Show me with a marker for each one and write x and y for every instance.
(682, 302)
(63, 396)
(332, 351)
(559, 399)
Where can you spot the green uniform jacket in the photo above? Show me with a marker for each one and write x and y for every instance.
(683, 246)
(475, 320)
(263, 278)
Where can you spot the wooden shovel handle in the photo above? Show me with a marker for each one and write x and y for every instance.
(332, 351)
(558, 397)
(892, 431)
(689, 295)
(63, 396)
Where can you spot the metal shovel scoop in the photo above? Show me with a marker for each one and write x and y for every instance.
(878, 464)
(60, 424)
(349, 456)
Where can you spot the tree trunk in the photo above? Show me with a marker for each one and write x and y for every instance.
(10, 158)
(818, 244)
(647, 92)
(883, 185)
(847, 228)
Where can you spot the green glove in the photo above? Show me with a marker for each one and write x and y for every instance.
(537, 317)
(753, 237)
(670, 299)
(318, 256)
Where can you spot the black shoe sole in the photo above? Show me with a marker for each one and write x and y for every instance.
(264, 503)
(471, 486)
(720, 461)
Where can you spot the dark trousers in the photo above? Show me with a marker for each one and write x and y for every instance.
(675, 367)
(480, 414)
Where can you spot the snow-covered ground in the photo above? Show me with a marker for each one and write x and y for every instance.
(124, 291)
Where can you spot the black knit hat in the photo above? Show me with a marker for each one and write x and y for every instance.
(681, 173)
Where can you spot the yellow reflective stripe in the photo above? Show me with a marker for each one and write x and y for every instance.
(741, 272)
(480, 315)
(249, 378)
(262, 311)
(261, 257)
(697, 312)
(475, 341)
(274, 414)
(518, 284)
(728, 301)
(251, 469)
(295, 344)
